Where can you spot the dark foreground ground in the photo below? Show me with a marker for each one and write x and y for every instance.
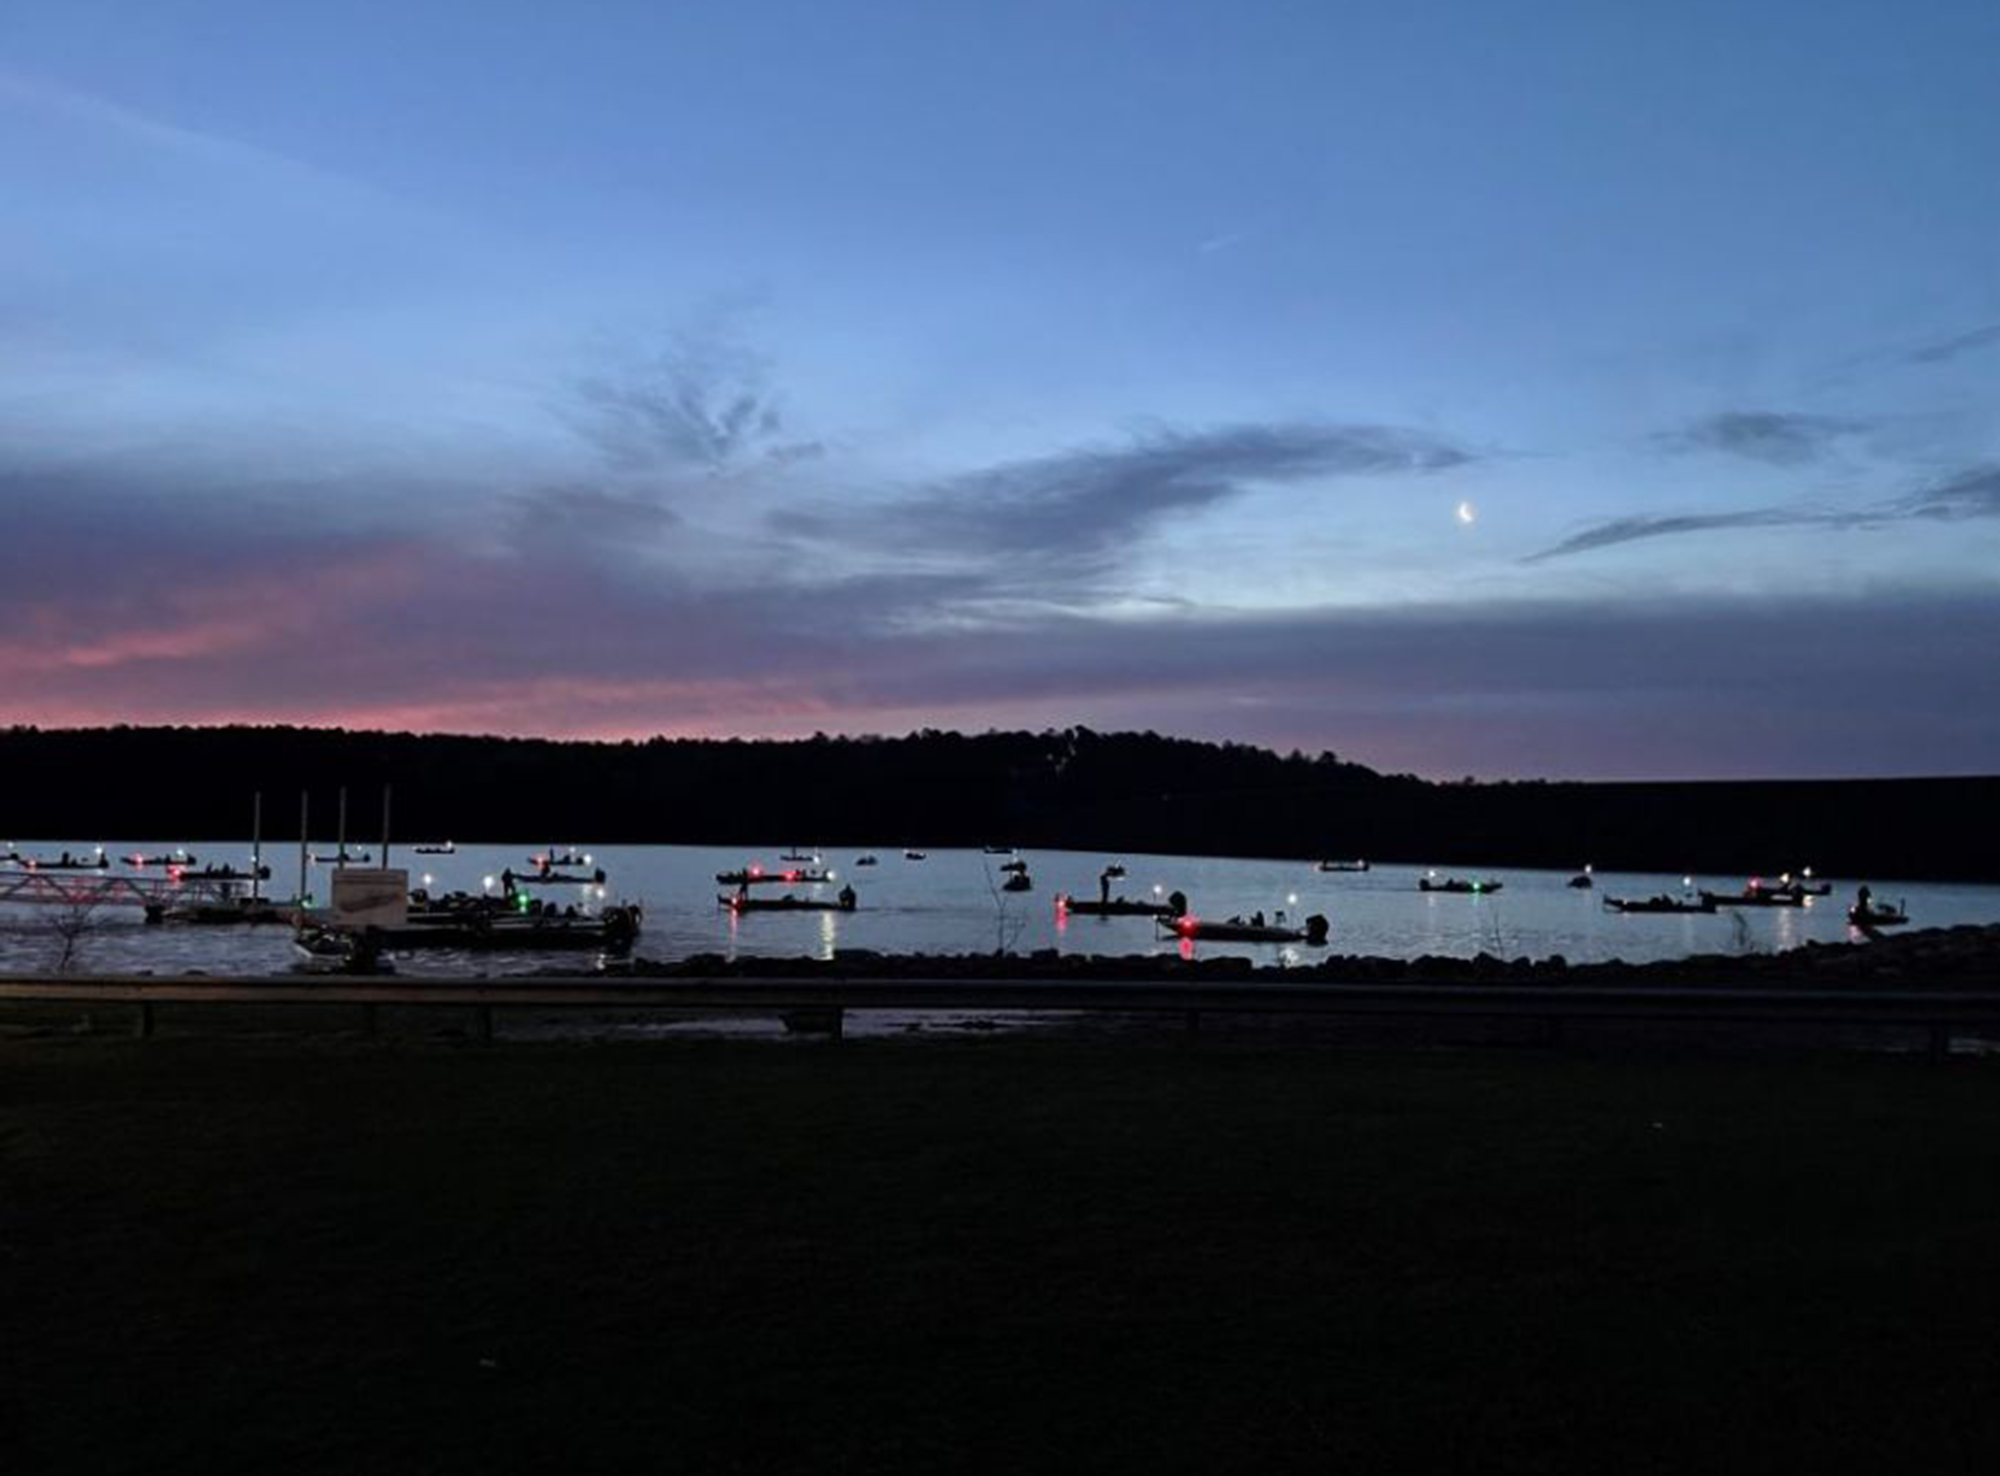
(1065, 1255)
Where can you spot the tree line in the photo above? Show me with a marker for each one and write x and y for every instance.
(1071, 787)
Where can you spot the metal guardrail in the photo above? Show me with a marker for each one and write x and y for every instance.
(1937, 1012)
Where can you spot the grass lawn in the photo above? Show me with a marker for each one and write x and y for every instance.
(991, 1255)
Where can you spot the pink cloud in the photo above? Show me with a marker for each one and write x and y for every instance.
(227, 615)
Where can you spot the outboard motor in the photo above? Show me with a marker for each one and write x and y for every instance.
(1316, 929)
(1178, 901)
(621, 926)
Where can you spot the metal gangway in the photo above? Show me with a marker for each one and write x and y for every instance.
(37, 886)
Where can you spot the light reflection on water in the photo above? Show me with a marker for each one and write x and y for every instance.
(950, 904)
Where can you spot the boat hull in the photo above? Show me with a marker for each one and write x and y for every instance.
(553, 937)
(782, 904)
(222, 914)
(1207, 930)
(1116, 907)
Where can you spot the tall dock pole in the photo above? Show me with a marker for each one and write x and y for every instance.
(256, 844)
(386, 791)
(305, 844)
(340, 840)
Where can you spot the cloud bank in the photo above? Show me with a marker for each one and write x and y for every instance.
(120, 604)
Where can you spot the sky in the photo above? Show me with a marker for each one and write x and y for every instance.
(1539, 390)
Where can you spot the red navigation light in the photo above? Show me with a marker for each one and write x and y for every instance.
(791, 876)
(1187, 926)
(756, 868)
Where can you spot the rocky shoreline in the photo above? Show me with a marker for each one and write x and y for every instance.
(1966, 957)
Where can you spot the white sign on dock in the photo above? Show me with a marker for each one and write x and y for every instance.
(370, 897)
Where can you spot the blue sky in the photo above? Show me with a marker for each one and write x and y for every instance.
(1539, 389)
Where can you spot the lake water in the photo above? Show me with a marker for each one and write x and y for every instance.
(948, 903)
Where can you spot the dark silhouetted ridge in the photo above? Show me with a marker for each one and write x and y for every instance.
(1125, 792)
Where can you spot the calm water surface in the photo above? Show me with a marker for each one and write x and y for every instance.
(949, 903)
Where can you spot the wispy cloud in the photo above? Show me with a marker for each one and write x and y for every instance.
(1942, 350)
(1071, 515)
(216, 153)
(1230, 237)
(1971, 493)
(1763, 435)
(1637, 528)
(699, 402)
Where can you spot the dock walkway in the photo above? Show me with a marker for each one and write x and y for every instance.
(39, 887)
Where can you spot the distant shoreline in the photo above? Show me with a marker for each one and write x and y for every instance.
(1071, 789)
